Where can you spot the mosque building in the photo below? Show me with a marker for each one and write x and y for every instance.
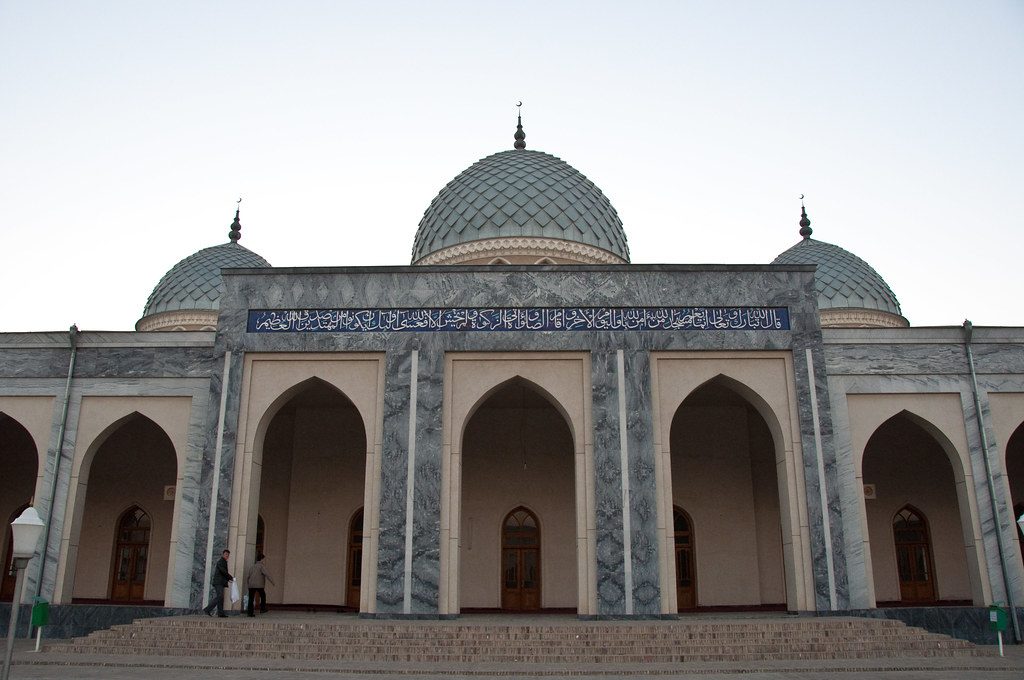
(521, 419)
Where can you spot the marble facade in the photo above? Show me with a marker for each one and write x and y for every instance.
(625, 560)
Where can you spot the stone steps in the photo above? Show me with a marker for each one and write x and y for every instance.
(560, 644)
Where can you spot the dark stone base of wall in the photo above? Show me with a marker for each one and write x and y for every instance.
(966, 623)
(75, 620)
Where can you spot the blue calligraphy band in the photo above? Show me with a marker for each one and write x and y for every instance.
(518, 319)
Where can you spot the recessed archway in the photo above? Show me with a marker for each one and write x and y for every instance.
(723, 459)
(17, 485)
(908, 467)
(309, 471)
(132, 468)
(517, 453)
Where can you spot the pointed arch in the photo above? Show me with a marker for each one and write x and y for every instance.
(499, 260)
(759, 403)
(286, 396)
(308, 460)
(518, 381)
(723, 466)
(130, 462)
(545, 260)
(917, 472)
(500, 451)
(960, 466)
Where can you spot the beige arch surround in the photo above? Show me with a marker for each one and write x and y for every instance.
(564, 379)
(269, 381)
(766, 381)
(941, 416)
(101, 416)
(36, 414)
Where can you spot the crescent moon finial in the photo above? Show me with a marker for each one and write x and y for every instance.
(801, 197)
(520, 103)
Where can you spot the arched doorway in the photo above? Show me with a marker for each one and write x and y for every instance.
(913, 556)
(686, 577)
(17, 485)
(517, 452)
(123, 555)
(311, 476)
(520, 561)
(354, 579)
(131, 553)
(723, 462)
(915, 523)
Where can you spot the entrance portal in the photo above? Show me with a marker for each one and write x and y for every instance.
(520, 561)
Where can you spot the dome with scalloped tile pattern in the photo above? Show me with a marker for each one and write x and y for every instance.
(850, 291)
(194, 285)
(520, 201)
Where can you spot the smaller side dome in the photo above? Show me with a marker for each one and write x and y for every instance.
(188, 296)
(851, 294)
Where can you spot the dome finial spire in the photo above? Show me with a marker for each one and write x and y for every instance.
(236, 226)
(520, 135)
(805, 223)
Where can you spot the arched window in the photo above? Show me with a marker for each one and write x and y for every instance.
(131, 553)
(913, 556)
(520, 561)
(686, 573)
(355, 560)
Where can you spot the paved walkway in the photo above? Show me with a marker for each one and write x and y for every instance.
(50, 666)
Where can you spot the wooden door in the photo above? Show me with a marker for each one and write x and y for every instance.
(913, 556)
(355, 561)
(131, 555)
(686, 581)
(520, 561)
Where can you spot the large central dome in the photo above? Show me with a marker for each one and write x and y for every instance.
(520, 206)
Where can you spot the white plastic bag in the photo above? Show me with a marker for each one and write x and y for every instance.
(234, 592)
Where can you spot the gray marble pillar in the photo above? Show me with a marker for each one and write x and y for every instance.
(828, 565)
(642, 484)
(611, 580)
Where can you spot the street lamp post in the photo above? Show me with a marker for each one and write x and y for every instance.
(25, 531)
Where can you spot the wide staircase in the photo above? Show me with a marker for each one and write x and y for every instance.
(537, 641)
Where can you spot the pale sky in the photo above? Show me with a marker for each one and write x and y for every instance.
(129, 129)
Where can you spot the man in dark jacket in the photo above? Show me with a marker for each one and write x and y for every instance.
(221, 578)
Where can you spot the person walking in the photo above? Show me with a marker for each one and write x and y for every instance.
(221, 578)
(256, 582)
